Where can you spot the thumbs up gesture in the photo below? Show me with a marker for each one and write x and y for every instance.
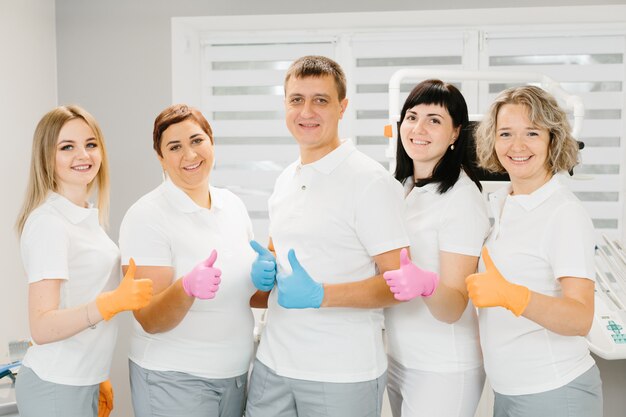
(298, 290)
(263, 272)
(204, 279)
(131, 294)
(491, 289)
(410, 281)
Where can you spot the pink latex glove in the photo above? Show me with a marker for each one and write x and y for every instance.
(410, 281)
(204, 280)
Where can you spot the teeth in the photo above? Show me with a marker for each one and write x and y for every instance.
(419, 142)
(520, 158)
(190, 167)
(81, 167)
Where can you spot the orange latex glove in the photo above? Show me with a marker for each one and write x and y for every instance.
(491, 289)
(105, 402)
(131, 294)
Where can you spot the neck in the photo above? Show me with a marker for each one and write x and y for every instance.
(522, 187)
(422, 171)
(76, 194)
(309, 155)
(200, 195)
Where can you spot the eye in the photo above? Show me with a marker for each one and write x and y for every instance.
(533, 134)
(321, 100)
(174, 148)
(67, 147)
(295, 100)
(435, 121)
(504, 134)
(197, 141)
(92, 145)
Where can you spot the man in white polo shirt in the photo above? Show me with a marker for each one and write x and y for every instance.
(335, 227)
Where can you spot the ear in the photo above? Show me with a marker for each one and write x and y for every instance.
(343, 104)
(457, 132)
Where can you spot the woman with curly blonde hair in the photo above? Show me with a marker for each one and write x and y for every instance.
(538, 263)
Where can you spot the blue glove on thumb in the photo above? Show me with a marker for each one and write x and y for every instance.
(263, 272)
(298, 289)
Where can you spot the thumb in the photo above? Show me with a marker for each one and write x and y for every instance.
(130, 272)
(487, 260)
(404, 257)
(293, 260)
(259, 249)
(211, 259)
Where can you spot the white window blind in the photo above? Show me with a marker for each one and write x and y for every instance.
(242, 96)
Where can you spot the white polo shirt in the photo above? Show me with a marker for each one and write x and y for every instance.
(536, 239)
(167, 228)
(455, 222)
(337, 213)
(61, 240)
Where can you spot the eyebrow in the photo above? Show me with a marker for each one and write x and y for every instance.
(72, 141)
(195, 135)
(428, 114)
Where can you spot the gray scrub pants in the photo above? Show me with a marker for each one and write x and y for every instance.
(580, 398)
(178, 394)
(272, 395)
(39, 398)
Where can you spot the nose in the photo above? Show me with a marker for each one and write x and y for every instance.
(418, 126)
(518, 143)
(190, 154)
(83, 152)
(307, 109)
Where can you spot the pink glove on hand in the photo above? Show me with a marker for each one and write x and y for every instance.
(410, 281)
(204, 280)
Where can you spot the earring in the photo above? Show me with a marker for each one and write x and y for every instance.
(452, 147)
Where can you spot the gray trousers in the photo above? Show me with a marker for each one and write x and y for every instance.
(39, 398)
(272, 395)
(178, 394)
(580, 398)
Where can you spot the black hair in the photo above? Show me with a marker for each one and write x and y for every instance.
(447, 170)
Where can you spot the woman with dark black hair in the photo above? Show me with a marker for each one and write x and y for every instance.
(435, 363)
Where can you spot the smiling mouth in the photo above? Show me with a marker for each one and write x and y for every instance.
(193, 167)
(519, 158)
(419, 142)
(82, 168)
(308, 125)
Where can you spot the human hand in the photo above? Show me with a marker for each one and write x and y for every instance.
(131, 294)
(410, 281)
(263, 272)
(204, 280)
(491, 289)
(105, 400)
(298, 289)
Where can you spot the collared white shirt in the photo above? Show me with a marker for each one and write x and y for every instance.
(167, 228)
(536, 239)
(455, 222)
(63, 241)
(336, 213)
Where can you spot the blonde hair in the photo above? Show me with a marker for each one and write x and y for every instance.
(544, 112)
(42, 177)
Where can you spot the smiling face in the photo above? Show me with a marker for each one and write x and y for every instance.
(77, 159)
(313, 111)
(522, 148)
(426, 133)
(187, 156)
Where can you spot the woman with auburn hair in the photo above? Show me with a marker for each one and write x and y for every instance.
(191, 346)
(73, 270)
(435, 364)
(538, 263)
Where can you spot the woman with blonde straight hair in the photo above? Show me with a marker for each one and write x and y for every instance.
(73, 269)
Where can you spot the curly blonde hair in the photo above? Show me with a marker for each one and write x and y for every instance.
(544, 112)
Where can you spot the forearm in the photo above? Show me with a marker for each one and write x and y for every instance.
(561, 315)
(55, 325)
(166, 310)
(369, 293)
(446, 304)
(259, 299)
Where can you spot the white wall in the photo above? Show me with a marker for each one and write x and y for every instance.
(28, 89)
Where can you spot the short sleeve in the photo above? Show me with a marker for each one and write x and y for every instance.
(464, 223)
(143, 238)
(379, 219)
(44, 246)
(570, 242)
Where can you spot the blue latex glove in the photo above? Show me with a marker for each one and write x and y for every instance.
(298, 290)
(263, 273)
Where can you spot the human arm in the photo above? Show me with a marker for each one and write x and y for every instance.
(304, 292)
(172, 301)
(262, 270)
(570, 314)
(49, 324)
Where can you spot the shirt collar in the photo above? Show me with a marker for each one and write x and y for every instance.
(182, 202)
(533, 200)
(332, 160)
(409, 187)
(73, 213)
